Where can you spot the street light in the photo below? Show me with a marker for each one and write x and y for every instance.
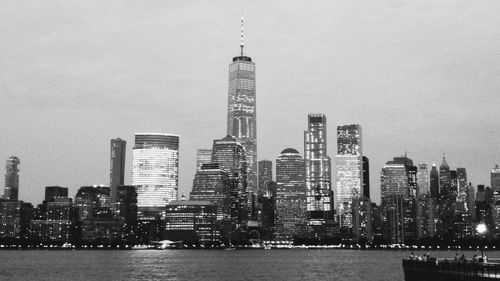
(481, 229)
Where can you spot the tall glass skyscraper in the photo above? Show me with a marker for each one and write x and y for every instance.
(434, 182)
(290, 195)
(117, 166)
(349, 164)
(12, 178)
(241, 111)
(318, 173)
(155, 171)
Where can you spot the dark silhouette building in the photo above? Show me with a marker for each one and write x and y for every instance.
(52, 192)
(117, 166)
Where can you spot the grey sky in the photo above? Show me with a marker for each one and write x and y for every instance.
(421, 76)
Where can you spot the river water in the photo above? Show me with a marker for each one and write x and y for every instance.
(294, 264)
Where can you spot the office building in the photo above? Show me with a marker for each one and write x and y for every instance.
(242, 111)
(11, 191)
(349, 167)
(423, 178)
(265, 173)
(53, 192)
(366, 177)
(203, 156)
(155, 172)
(318, 175)
(117, 166)
(434, 183)
(291, 219)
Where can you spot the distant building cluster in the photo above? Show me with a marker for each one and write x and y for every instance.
(236, 199)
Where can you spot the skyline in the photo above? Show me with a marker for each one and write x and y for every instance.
(82, 83)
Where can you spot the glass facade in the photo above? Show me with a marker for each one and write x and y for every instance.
(434, 183)
(155, 169)
(318, 171)
(349, 167)
(265, 174)
(242, 114)
(203, 156)
(291, 219)
(117, 166)
(212, 183)
(12, 178)
(423, 178)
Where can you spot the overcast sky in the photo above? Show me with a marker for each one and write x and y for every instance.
(419, 76)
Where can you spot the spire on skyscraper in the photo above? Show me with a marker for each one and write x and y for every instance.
(443, 163)
(241, 42)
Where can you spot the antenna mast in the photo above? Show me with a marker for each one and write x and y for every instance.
(241, 42)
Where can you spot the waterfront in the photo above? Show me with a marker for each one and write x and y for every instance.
(297, 264)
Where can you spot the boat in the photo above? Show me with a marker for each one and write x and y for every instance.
(450, 270)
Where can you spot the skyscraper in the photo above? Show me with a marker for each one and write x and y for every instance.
(462, 186)
(265, 174)
(349, 166)
(495, 178)
(155, 172)
(241, 112)
(318, 174)
(290, 195)
(366, 177)
(445, 178)
(434, 182)
(230, 154)
(12, 178)
(423, 178)
(117, 166)
(203, 156)
(52, 192)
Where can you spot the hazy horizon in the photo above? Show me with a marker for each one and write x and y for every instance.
(418, 76)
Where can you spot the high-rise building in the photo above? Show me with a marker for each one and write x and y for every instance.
(230, 154)
(203, 156)
(117, 166)
(155, 172)
(290, 195)
(242, 113)
(423, 178)
(366, 177)
(212, 183)
(434, 183)
(318, 175)
(12, 178)
(399, 199)
(495, 178)
(462, 185)
(349, 166)
(265, 173)
(445, 178)
(52, 192)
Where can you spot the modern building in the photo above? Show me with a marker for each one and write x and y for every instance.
(203, 156)
(291, 217)
(423, 179)
(318, 175)
(445, 178)
(11, 191)
(462, 186)
(192, 222)
(366, 177)
(242, 111)
(495, 178)
(93, 202)
(55, 222)
(265, 173)
(434, 183)
(53, 192)
(117, 166)
(230, 154)
(349, 179)
(399, 200)
(155, 172)
(212, 183)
